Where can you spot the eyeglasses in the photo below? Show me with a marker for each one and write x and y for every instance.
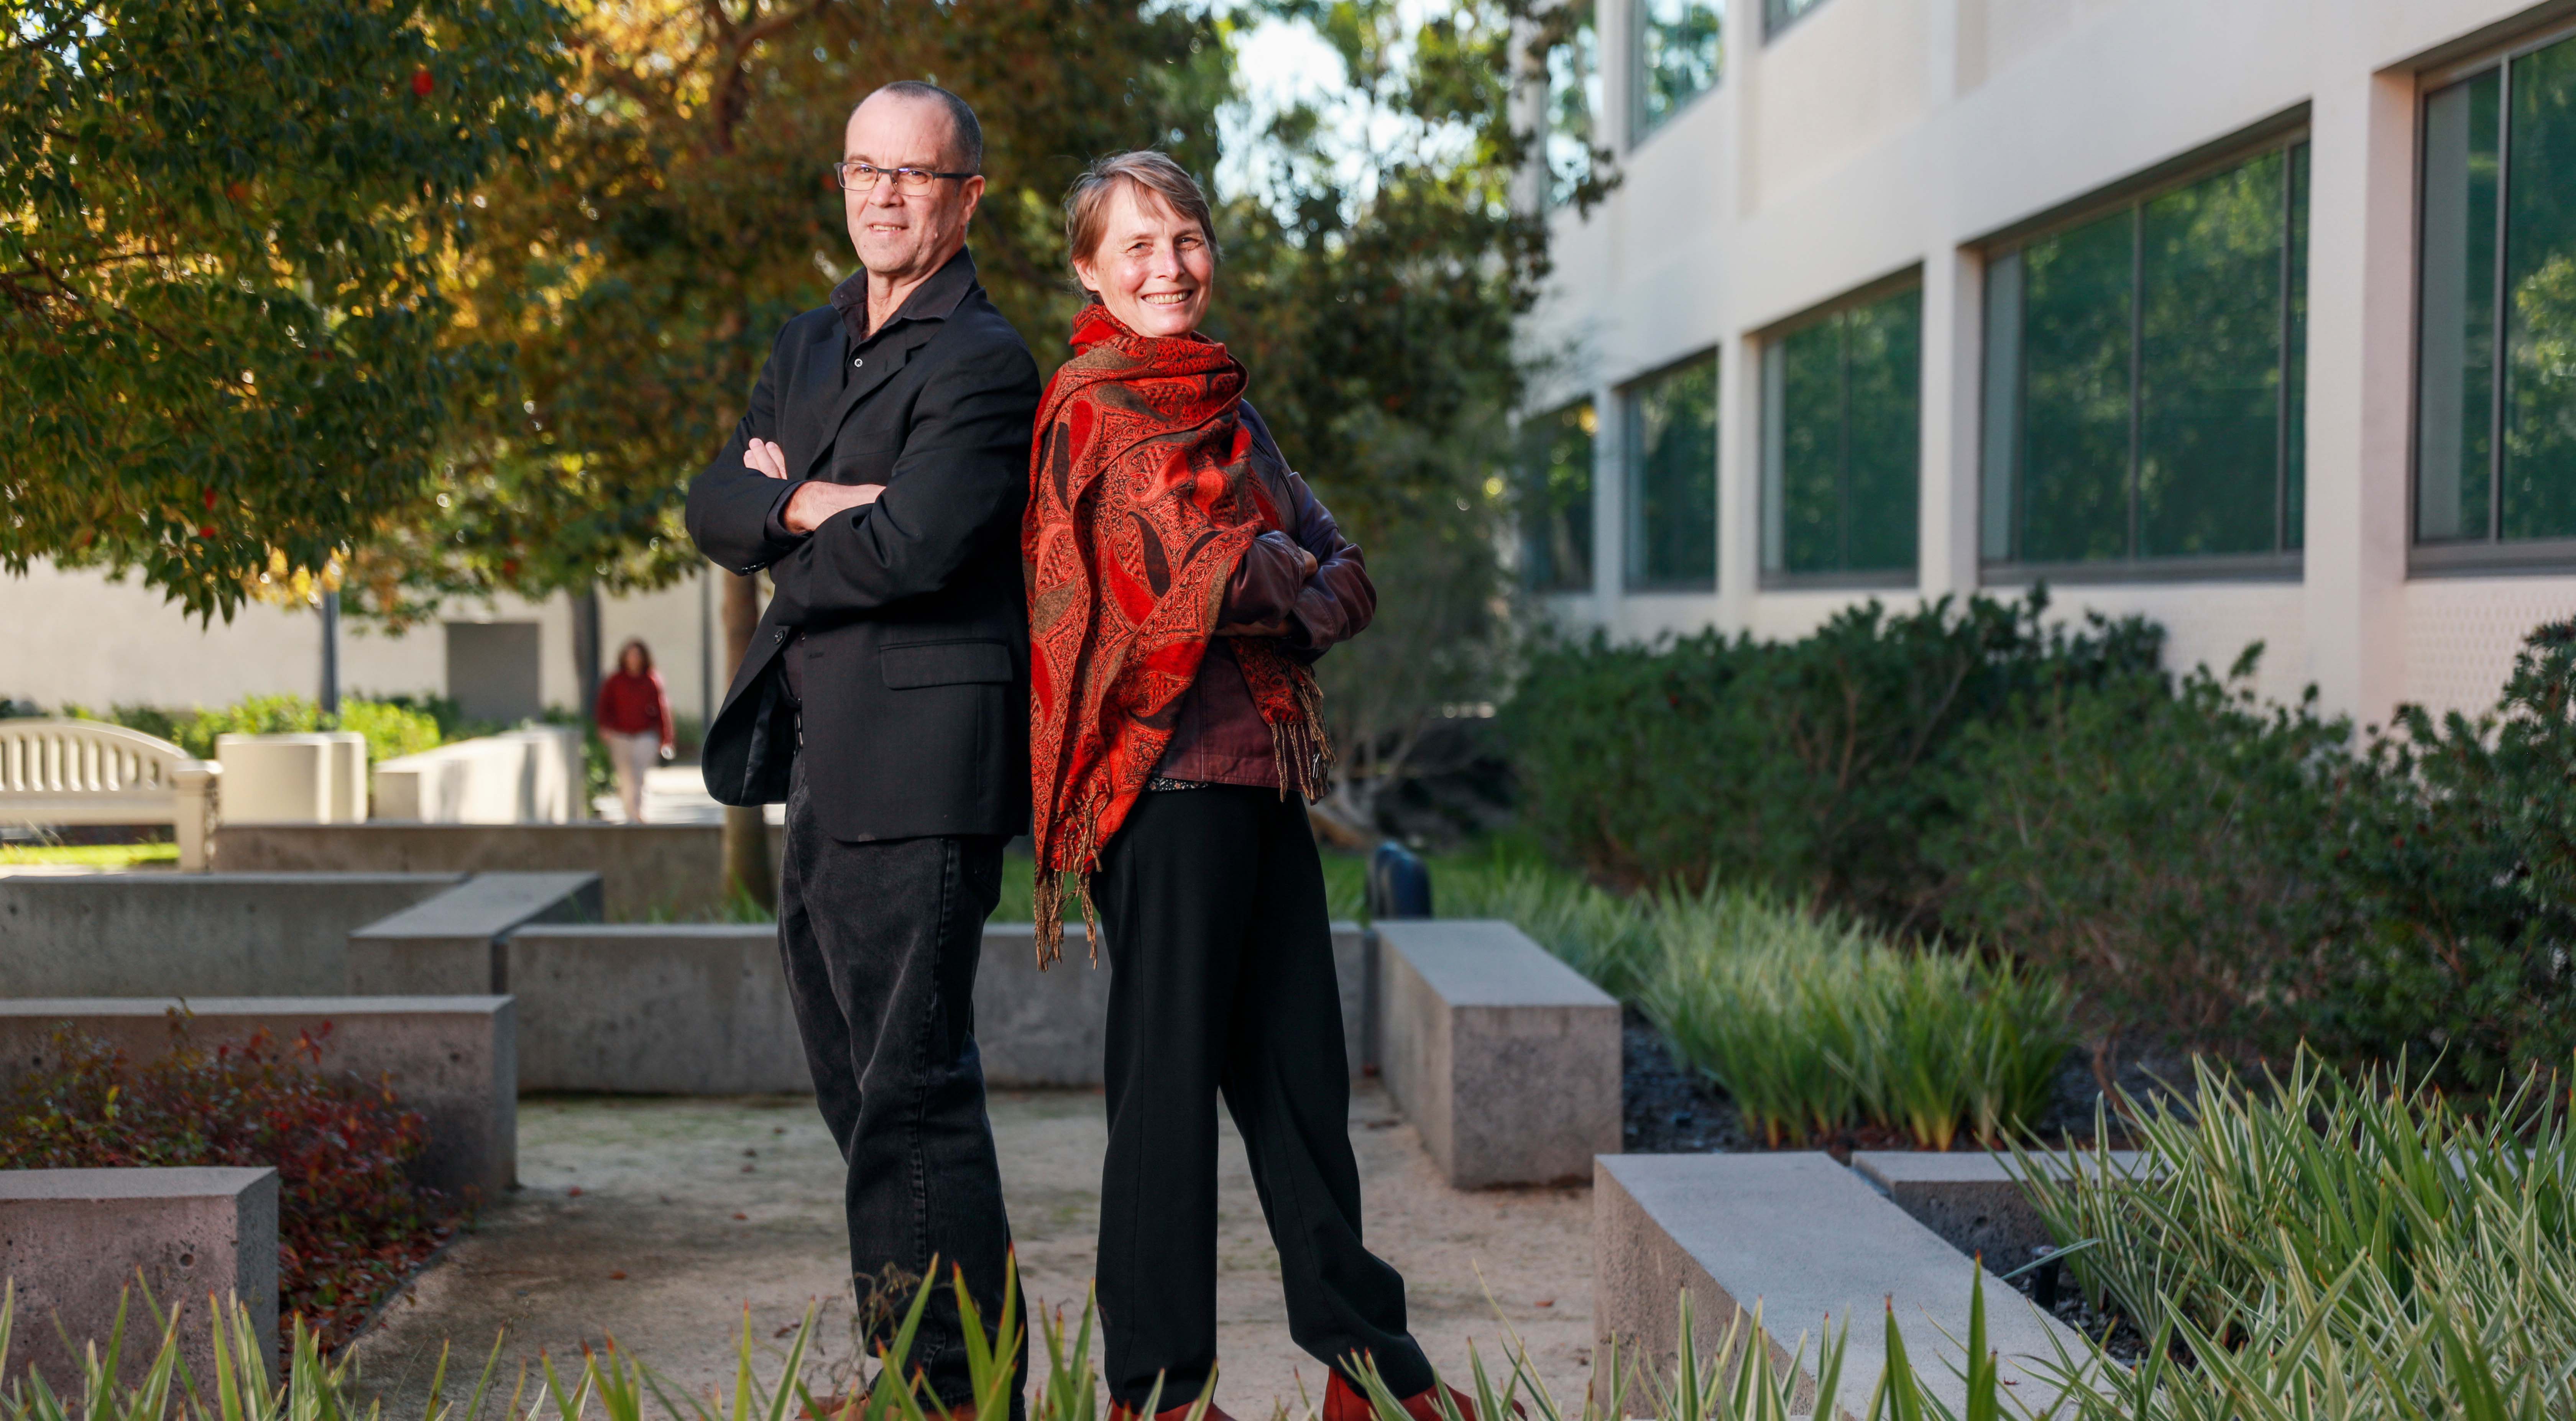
(863, 177)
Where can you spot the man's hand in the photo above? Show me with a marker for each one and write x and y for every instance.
(815, 500)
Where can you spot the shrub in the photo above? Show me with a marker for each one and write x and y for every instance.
(1810, 1022)
(2364, 1210)
(351, 1223)
(392, 727)
(2158, 846)
(2458, 858)
(1808, 766)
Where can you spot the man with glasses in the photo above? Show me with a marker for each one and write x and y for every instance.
(879, 476)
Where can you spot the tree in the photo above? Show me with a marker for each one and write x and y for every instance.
(224, 229)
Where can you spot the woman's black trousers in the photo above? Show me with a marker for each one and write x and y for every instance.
(1212, 909)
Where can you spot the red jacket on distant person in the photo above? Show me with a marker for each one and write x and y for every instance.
(631, 705)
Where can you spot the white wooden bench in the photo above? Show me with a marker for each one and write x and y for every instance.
(90, 772)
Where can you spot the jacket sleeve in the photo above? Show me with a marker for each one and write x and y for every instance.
(956, 491)
(729, 501)
(1332, 605)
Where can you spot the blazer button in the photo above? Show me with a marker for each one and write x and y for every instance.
(779, 634)
(858, 361)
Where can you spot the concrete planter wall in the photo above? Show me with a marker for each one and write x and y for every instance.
(671, 869)
(73, 1242)
(156, 934)
(315, 778)
(531, 775)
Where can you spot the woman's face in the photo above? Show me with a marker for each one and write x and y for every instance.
(1153, 268)
(633, 661)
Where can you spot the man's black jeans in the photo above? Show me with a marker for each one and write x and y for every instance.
(880, 942)
(1212, 906)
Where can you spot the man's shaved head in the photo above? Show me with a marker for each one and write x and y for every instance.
(966, 144)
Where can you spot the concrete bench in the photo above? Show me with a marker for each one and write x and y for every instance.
(74, 1241)
(69, 771)
(453, 1059)
(452, 943)
(1809, 1241)
(309, 777)
(530, 775)
(1973, 1199)
(673, 869)
(1050, 1028)
(654, 1008)
(1505, 1060)
(158, 934)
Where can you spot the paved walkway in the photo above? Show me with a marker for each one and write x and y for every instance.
(672, 1223)
(674, 794)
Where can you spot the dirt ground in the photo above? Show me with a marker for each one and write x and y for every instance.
(675, 1224)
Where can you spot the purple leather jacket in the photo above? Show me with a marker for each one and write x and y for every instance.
(1218, 736)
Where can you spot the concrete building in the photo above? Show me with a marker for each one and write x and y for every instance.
(2254, 316)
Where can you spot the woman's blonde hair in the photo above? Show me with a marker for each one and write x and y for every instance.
(1086, 203)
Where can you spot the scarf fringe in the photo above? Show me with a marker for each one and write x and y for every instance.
(1046, 894)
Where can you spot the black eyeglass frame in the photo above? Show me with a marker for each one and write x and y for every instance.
(840, 175)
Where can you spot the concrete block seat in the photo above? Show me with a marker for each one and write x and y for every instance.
(453, 1059)
(674, 869)
(158, 934)
(74, 1241)
(1974, 1199)
(453, 943)
(1809, 1240)
(1503, 1057)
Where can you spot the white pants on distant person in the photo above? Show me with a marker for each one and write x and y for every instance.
(631, 756)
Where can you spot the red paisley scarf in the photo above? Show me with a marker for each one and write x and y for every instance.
(1142, 499)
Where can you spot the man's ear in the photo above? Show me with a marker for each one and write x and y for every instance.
(974, 194)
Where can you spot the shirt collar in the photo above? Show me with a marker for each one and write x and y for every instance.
(932, 300)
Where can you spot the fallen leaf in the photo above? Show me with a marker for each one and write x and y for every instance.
(782, 1332)
(573, 1193)
(1545, 1303)
(742, 1216)
(621, 1273)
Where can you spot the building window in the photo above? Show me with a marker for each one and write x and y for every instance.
(1681, 52)
(1671, 457)
(2495, 452)
(1556, 499)
(1778, 15)
(1573, 97)
(2144, 377)
(1842, 442)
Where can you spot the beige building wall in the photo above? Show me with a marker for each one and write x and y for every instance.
(1876, 137)
(72, 635)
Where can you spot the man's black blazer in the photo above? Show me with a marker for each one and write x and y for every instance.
(909, 612)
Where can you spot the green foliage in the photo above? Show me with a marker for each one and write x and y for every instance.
(2156, 846)
(1811, 1022)
(351, 1223)
(1814, 767)
(392, 727)
(2320, 1232)
(222, 349)
(2457, 860)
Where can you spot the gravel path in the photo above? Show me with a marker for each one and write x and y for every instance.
(671, 1224)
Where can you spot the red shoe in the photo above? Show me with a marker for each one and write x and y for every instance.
(1345, 1402)
(1121, 1411)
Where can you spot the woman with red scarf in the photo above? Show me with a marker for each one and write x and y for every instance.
(1182, 580)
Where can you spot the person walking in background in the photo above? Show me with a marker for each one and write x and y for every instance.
(634, 716)
(879, 476)
(1182, 579)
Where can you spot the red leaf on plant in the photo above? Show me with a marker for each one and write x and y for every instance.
(421, 83)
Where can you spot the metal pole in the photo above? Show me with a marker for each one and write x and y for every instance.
(330, 697)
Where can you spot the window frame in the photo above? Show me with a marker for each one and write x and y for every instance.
(1632, 581)
(2492, 554)
(1772, 31)
(1640, 129)
(2280, 134)
(1769, 338)
(1591, 583)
